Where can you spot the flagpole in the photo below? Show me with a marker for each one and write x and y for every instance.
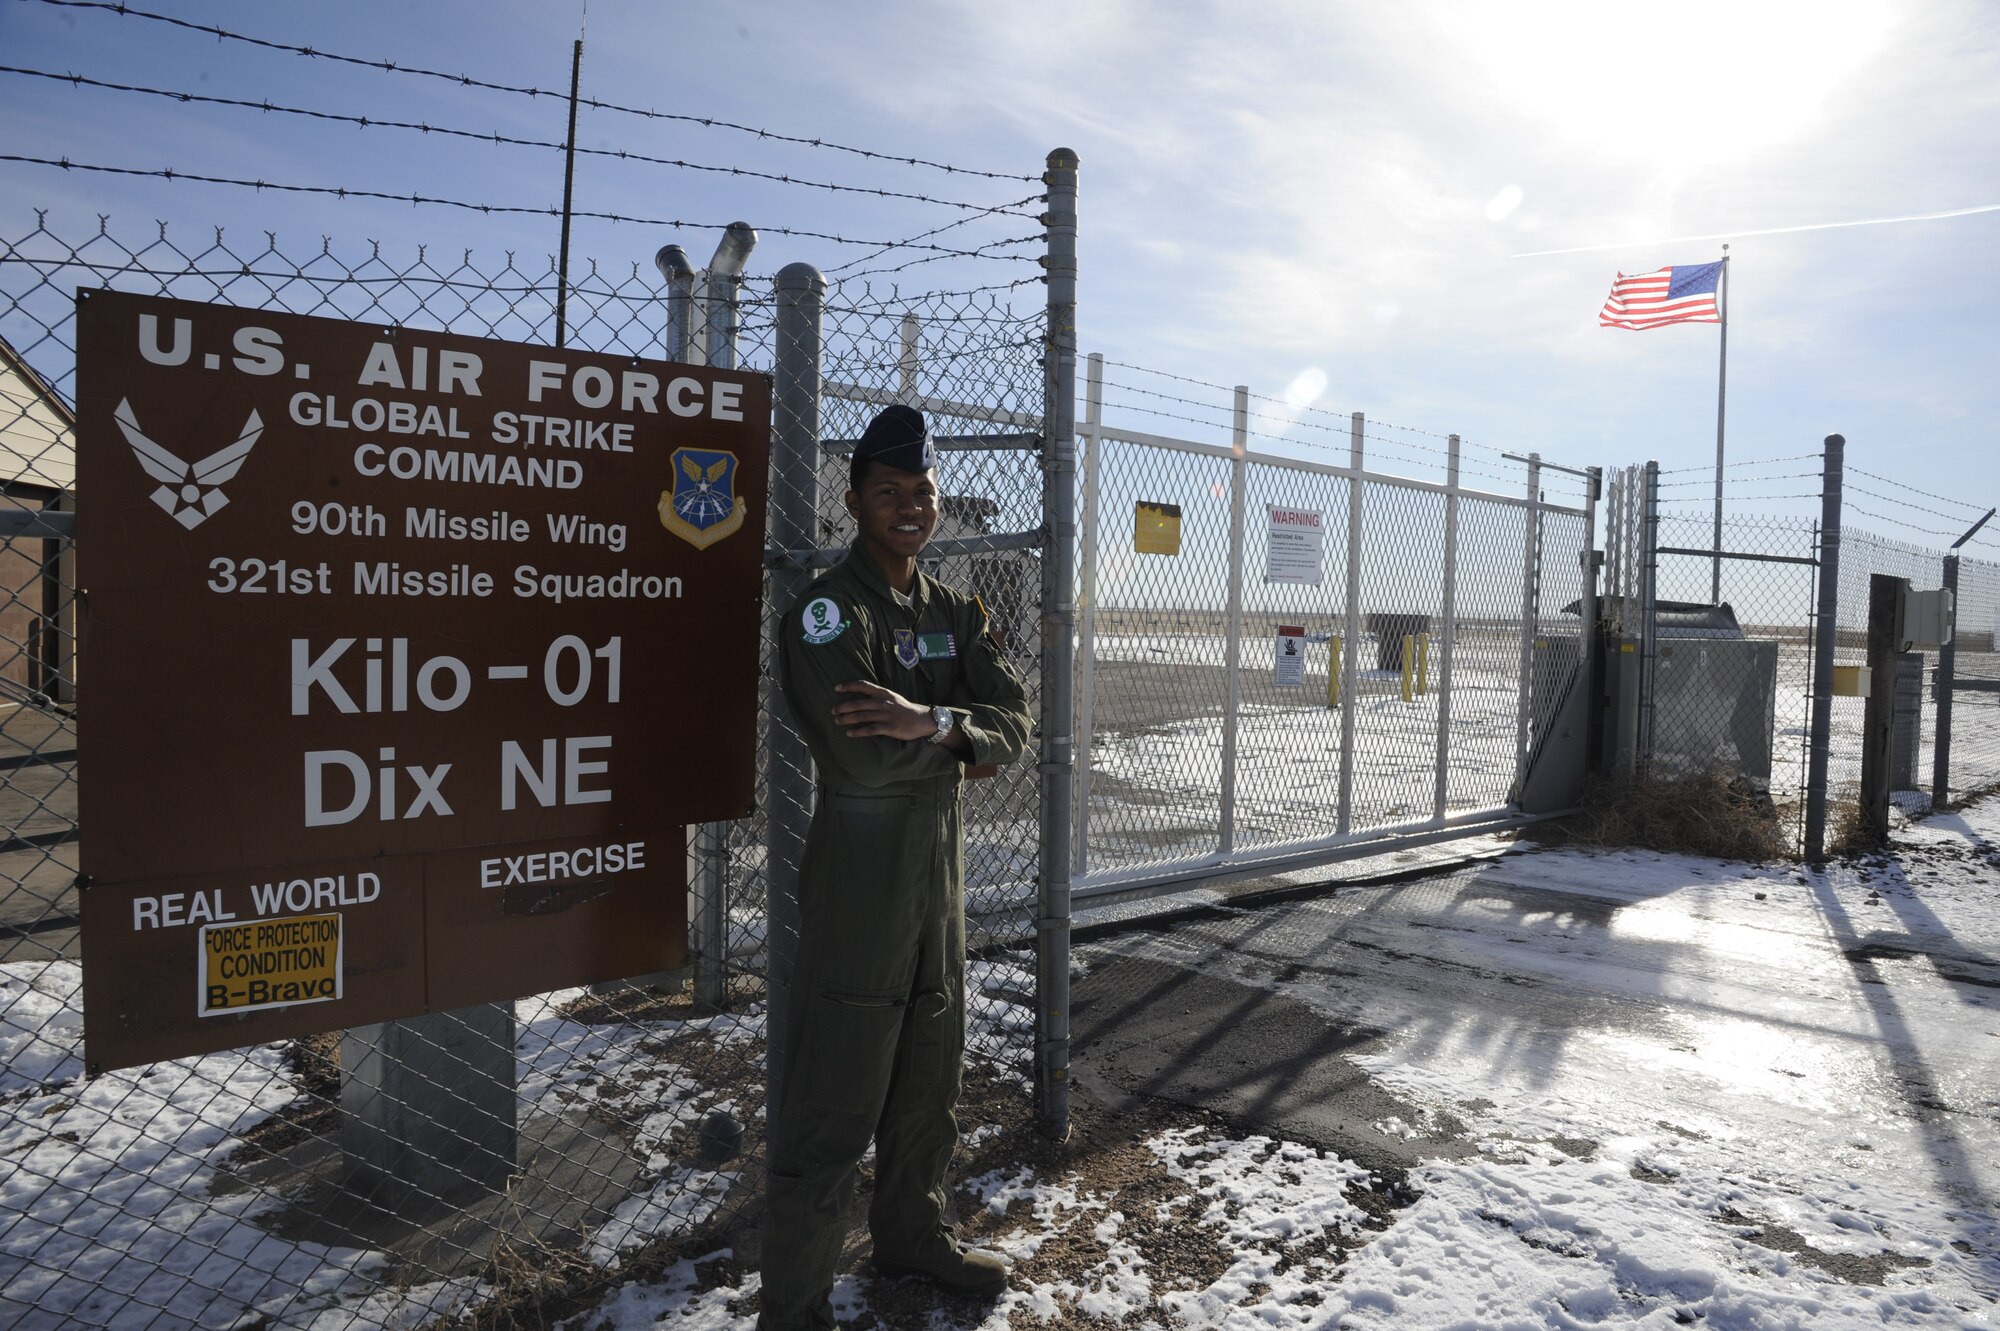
(1721, 387)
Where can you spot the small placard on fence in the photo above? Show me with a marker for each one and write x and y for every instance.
(1156, 529)
(1290, 672)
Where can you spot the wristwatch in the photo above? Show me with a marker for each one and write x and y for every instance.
(946, 721)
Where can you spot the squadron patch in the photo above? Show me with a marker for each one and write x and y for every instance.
(906, 648)
(822, 621)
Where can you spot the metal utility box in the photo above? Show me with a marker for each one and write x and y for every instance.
(1715, 694)
(1925, 623)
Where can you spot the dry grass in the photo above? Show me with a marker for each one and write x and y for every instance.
(1712, 814)
(1850, 834)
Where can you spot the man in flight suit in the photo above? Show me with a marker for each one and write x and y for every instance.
(897, 685)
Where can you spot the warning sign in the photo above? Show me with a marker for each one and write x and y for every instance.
(1295, 550)
(269, 963)
(1290, 672)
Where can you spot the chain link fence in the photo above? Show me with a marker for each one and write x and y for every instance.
(1974, 679)
(1712, 634)
(1282, 659)
(214, 1190)
(1732, 685)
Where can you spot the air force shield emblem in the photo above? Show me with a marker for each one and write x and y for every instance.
(190, 492)
(703, 507)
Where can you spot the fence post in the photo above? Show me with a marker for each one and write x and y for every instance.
(1825, 631)
(1947, 669)
(1093, 464)
(428, 1105)
(1531, 578)
(1232, 648)
(1587, 639)
(1649, 574)
(1614, 517)
(713, 840)
(1447, 631)
(1058, 647)
(1878, 720)
(1350, 647)
(793, 522)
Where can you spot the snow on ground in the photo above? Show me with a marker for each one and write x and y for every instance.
(1788, 1119)
(1777, 1107)
(109, 1212)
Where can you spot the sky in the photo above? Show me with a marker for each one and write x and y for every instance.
(1412, 211)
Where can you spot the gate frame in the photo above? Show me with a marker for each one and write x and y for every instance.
(1227, 862)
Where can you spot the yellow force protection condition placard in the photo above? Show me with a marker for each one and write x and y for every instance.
(1157, 529)
(269, 963)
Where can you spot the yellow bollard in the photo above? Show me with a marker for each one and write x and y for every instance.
(1333, 673)
(1423, 663)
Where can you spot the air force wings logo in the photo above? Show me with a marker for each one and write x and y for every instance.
(190, 492)
(703, 507)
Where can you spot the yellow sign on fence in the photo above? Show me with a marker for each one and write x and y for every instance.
(269, 963)
(1157, 529)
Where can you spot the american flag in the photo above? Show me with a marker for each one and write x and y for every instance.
(1682, 294)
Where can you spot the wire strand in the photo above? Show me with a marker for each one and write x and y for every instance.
(1904, 503)
(467, 81)
(375, 122)
(1731, 466)
(343, 192)
(1942, 499)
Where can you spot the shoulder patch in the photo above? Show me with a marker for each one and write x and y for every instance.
(822, 620)
(986, 629)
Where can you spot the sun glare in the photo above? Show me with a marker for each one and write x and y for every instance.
(1696, 81)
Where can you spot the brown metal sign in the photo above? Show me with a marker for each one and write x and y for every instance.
(404, 659)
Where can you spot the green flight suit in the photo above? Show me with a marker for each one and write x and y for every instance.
(876, 1018)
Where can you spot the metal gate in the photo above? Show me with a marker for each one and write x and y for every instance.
(1246, 707)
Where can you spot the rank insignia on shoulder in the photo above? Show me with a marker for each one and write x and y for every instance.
(937, 646)
(822, 620)
(906, 648)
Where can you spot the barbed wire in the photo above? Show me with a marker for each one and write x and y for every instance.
(1942, 499)
(840, 271)
(467, 81)
(1710, 480)
(1904, 503)
(1396, 450)
(376, 122)
(1342, 431)
(344, 192)
(1736, 498)
(864, 306)
(239, 269)
(1336, 414)
(1731, 466)
(1904, 523)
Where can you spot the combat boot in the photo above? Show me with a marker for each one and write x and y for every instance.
(951, 1266)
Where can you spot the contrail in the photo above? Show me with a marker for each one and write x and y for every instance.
(1768, 231)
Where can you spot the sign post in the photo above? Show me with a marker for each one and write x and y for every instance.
(408, 657)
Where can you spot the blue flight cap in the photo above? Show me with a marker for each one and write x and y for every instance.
(898, 437)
